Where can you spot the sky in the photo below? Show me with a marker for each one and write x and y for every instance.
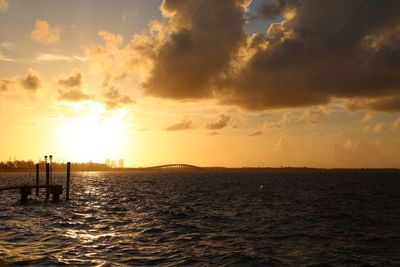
(212, 83)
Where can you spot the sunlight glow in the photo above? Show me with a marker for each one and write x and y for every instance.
(95, 135)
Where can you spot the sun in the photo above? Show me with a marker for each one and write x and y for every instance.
(95, 135)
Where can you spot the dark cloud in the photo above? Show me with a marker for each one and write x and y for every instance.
(114, 99)
(185, 124)
(74, 95)
(324, 49)
(272, 10)
(220, 123)
(31, 81)
(313, 52)
(206, 36)
(75, 80)
(383, 104)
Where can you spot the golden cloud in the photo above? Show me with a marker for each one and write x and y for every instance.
(44, 33)
(114, 99)
(220, 123)
(311, 56)
(7, 84)
(3, 5)
(31, 81)
(75, 80)
(74, 95)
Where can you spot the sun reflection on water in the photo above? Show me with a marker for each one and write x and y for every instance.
(86, 236)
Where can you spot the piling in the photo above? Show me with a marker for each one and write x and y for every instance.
(68, 180)
(25, 191)
(56, 191)
(47, 181)
(37, 179)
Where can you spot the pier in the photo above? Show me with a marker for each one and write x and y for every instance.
(26, 190)
(51, 189)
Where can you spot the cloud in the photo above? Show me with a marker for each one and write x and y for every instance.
(7, 84)
(46, 57)
(114, 99)
(383, 126)
(203, 37)
(181, 56)
(185, 124)
(382, 104)
(44, 33)
(313, 116)
(74, 95)
(308, 56)
(75, 80)
(111, 59)
(221, 122)
(314, 55)
(3, 5)
(255, 134)
(31, 81)
(272, 10)
(286, 118)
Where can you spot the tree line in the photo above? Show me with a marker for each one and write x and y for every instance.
(29, 165)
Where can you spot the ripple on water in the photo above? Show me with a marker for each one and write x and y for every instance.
(219, 219)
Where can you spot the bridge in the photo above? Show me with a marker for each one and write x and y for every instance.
(175, 167)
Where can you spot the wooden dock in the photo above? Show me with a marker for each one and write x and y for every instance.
(55, 190)
(26, 190)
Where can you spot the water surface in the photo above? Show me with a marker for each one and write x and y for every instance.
(205, 218)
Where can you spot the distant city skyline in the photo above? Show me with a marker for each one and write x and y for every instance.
(113, 163)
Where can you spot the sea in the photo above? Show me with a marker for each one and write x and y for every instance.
(221, 218)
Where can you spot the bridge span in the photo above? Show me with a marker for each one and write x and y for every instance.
(175, 167)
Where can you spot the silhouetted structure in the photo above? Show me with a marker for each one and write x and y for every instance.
(54, 190)
(68, 180)
(174, 167)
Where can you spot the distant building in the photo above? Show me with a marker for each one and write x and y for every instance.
(121, 163)
(108, 162)
(113, 164)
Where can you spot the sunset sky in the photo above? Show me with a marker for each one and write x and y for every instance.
(204, 82)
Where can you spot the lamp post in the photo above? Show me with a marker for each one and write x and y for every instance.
(51, 168)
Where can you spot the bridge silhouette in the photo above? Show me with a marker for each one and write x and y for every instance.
(175, 167)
